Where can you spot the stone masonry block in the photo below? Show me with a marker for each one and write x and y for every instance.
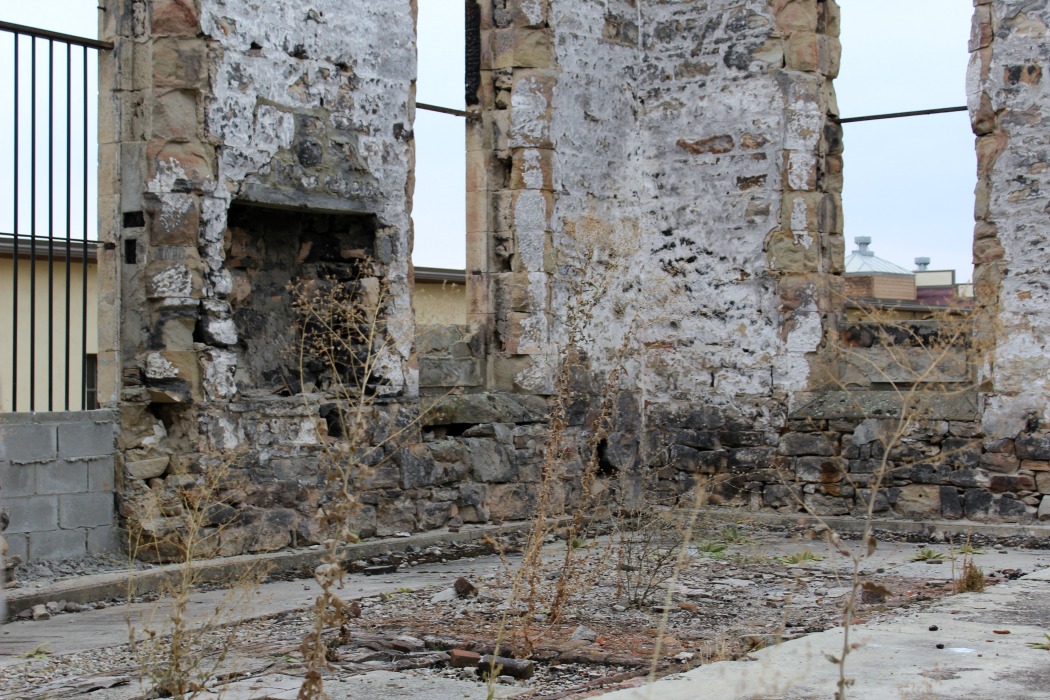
(61, 476)
(101, 540)
(57, 544)
(32, 513)
(85, 510)
(18, 544)
(28, 442)
(17, 480)
(85, 439)
(101, 475)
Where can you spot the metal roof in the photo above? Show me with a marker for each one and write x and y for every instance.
(864, 262)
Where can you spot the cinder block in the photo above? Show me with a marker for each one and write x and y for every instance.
(102, 540)
(61, 476)
(85, 510)
(85, 439)
(32, 513)
(28, 442)
(17, 480)
(101, 475)
(57, 544)
(17, 545)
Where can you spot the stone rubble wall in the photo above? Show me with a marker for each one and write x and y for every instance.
(57, 484)
(661, 177)
(212, 108)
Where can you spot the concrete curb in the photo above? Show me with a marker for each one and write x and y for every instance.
(88, 589)
(847, 524)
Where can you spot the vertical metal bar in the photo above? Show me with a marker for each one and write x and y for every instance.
(69, 207)
(14, 257)
(84, 252)
(32, 226)
(50, 224)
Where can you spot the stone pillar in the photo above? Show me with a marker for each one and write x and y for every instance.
(510, 191)
(1007, 93)
(807, 251)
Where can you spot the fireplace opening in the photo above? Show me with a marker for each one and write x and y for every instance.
(277, 259)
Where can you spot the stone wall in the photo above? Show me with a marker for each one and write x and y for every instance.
(248, 150)
(57, 484)
(655, 183)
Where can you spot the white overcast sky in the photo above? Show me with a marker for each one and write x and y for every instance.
(909, 182)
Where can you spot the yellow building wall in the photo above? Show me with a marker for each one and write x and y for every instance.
(438, 303)
(11, 337)
(886, 287)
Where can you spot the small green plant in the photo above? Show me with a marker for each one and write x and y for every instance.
(928, 555)
(969, 550)
(577, 543)
(732, 534)
(38, 652)
(711, 548)
(1044, 646)
(972, 579)
(805, 556)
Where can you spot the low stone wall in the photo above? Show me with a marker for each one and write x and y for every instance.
(825, 458)
(57, 483)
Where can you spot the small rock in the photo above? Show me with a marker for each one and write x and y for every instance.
(53, 607)
(461, 658)
(26, 614)
(455, 523)
(40, 612)
(584, 633)
(379, 570)
(619, 608)
(933, 628)
(464, 587)
(516, 668)
(74, 607)
(684, 656)
(444, 596)
(402, 534)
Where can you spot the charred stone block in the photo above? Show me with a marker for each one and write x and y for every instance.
(1033, 447)
(951, 505)
(806, 444)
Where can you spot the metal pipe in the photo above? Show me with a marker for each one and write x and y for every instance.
(442, 110)
(897, 115)
(50, 225)
(32, 226)
(69, 210)
(14, 261)
(84, 234)
(56, 36)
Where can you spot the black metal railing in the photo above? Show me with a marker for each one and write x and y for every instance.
(47, 219)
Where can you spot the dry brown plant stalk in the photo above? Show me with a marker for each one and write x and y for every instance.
(344, 354)
(920, 363)
(179, 652)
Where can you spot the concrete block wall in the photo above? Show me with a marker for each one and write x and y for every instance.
(57, 483)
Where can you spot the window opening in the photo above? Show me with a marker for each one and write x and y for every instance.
(908, 182)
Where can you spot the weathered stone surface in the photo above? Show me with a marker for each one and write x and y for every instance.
(1032, 447)
(805, 444)
(866, 404)
(147, 468)
(919, 502)
(486, 408)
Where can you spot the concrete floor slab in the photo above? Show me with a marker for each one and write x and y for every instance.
(973, 646)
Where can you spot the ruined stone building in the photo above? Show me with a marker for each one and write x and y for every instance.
(660, 179)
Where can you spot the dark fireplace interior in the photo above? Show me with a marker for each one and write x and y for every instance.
(279, 256)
